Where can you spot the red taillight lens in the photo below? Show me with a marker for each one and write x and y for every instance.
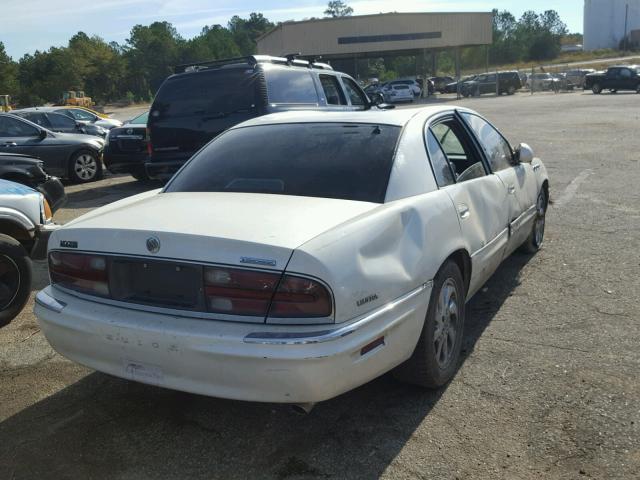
(254, 293)
(81, 272)
(299, 297)
(239, 292)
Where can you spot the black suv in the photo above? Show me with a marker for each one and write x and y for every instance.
(507, 82)
(202, 100)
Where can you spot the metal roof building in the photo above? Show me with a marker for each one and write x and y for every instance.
(377, 35)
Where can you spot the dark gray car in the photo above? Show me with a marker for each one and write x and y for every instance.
(56, 122)
(74, 156)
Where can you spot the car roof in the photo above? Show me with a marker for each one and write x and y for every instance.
(398, 117)
(38, 109)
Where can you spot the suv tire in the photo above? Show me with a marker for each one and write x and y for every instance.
(15, 278)
(596, 89)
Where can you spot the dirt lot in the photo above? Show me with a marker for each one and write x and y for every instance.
(548, 387)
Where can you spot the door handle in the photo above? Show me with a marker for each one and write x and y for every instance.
(463, 211)
(511, 189)
(11, 144)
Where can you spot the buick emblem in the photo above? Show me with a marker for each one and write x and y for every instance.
(129, 131)
(153, 244)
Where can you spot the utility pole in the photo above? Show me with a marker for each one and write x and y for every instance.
(626, 23)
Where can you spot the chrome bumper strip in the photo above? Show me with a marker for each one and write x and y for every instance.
(306, 338)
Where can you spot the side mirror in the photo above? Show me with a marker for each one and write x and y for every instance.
(42, 134)
(524, 154)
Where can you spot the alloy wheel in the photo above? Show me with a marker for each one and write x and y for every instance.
(447, 324)
(85, 166)
(541, 206)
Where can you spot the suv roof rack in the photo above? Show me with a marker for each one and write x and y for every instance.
(290, 60)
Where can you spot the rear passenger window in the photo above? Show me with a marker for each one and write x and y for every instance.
(356, 96)
(439, 162)
(291, 86)
(332, 91)
(497, 149)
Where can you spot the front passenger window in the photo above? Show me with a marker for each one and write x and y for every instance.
(495, 146)
(353, 91)
(10, 127)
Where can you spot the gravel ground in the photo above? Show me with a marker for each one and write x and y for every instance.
(548, 386)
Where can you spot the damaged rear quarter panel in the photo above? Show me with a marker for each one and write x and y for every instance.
(383, 254)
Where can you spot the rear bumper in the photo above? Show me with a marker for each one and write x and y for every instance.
(163, 170)
(124, 162)
(264, 363)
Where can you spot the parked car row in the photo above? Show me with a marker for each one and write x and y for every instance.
(76, 157)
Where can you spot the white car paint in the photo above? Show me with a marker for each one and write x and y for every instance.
(387, 254)
(398, 93)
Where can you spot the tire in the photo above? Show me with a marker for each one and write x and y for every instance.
(85, 166)
(596, 89)
(534, 241)
(511, 90)
(141, 175)
(436, 356)
(15, 278)
(638, 88)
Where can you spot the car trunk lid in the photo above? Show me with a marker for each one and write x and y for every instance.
(244, 229)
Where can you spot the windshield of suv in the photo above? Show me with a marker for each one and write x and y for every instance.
(327, 160)
(140, 119)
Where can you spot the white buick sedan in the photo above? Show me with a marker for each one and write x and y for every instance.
(298, 255)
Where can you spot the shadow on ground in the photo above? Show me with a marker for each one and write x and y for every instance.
(82, 197)
(102, 426)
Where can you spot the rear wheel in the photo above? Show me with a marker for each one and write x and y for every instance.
(511, 90)
(596, 88)
(435, 359)
(85, 167)
(141, 175)
(15, 278)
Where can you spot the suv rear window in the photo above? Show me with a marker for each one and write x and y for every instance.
(215, 93)
(327, 160)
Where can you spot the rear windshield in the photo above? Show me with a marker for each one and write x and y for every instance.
(328, 160)
(215, 93)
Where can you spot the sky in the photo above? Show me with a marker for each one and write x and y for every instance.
(29, 25)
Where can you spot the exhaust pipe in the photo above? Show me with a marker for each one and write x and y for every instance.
(302, 408)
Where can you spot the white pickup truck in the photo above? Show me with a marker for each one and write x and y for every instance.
(25, 227)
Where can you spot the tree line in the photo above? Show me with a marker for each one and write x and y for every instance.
(135, 69)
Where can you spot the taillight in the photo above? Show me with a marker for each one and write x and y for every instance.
(299, 297)
(239, 292)
(254, 293)
(229, 291)
(82, 272)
